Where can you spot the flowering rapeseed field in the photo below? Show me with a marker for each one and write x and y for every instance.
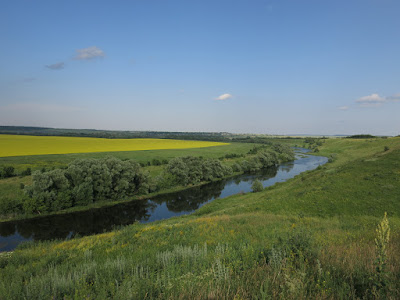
(21, 145)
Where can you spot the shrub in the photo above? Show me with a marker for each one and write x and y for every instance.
(156, 162)
(192, 170)
(7, 171)
(83, 182)
(257, 186)
(26, 172)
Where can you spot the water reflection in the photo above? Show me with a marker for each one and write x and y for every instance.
(99, 220)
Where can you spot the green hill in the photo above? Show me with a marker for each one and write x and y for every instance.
(312, 237)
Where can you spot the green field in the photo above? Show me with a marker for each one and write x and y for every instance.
(309, 238)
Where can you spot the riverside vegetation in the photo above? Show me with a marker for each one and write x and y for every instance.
(87, 181)
(319, 235)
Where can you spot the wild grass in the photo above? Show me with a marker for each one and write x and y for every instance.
(310, 238)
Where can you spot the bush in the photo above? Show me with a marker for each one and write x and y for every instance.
(7, 171)
(155, 162)
(386, 148)
(192, 170)
(83, 182)
(257, 186)
(236, 168)
(332, 158)
(9, 206)
(26, 172)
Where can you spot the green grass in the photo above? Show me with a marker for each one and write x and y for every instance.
(309, 238)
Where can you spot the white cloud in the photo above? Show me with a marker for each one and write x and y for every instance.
(372, 100)
(394, 98)
(89, 53)
(57, 66)
(224, 97)
(343, 107)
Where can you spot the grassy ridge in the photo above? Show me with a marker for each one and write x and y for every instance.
(309, 238)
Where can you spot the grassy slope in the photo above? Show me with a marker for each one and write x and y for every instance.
(364, 180)
(220, 251)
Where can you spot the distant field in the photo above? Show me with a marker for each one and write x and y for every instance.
(19, 145)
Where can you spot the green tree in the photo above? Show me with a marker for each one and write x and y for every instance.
(257, 186)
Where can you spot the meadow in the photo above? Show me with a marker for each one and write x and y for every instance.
(312, 237)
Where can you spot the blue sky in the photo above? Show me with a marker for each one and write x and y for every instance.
(275, 67)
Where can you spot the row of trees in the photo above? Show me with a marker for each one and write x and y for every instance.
(85, 181)
(192, 170)
(9, 171)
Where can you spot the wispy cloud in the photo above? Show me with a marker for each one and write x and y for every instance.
(394, 98)
(373, 100)
(224, 97)
(343, 107)
(89, 53)
(57, 66)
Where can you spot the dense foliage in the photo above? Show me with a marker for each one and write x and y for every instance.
(192, 170)
(257, 186)
(7, 171)
(361, 136)
(85, 181)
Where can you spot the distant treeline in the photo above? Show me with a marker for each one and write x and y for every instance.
(111, 134)
(361, 136)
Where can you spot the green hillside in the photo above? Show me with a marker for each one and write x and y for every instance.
(312, 237)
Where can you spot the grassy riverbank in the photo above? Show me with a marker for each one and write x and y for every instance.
(310, 237)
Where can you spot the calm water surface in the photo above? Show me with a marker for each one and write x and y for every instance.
(93, 221)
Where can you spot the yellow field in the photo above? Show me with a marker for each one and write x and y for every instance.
(21, 145)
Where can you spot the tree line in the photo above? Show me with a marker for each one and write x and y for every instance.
(85, 181)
